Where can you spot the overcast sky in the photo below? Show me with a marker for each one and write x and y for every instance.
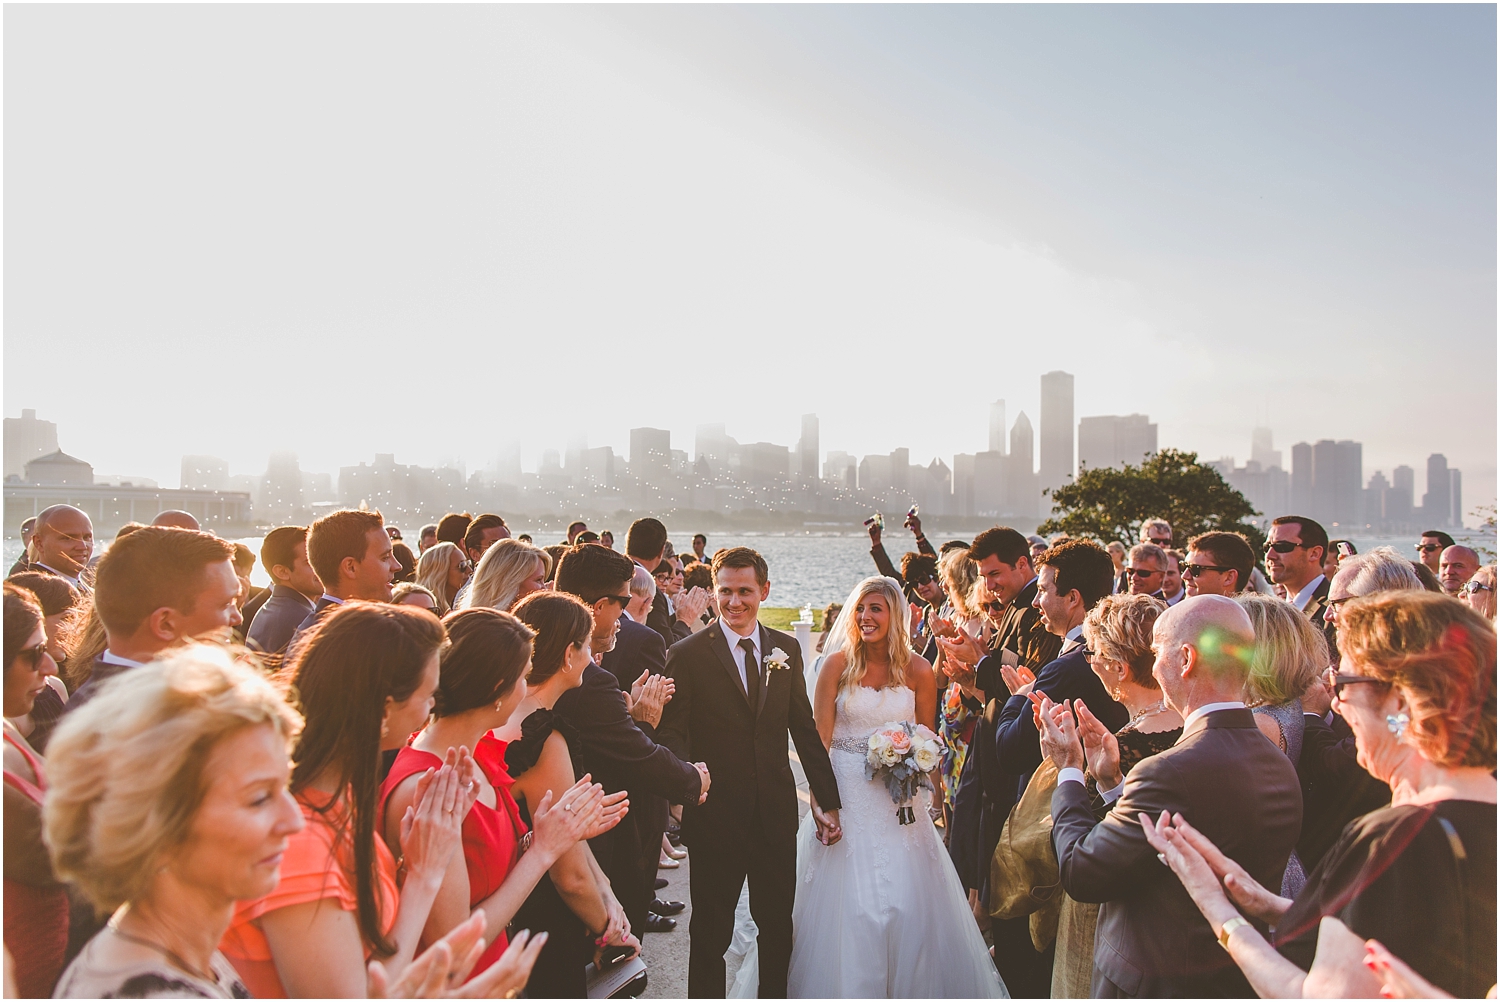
(430, 230)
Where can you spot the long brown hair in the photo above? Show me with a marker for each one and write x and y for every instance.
(23, 616)
(561, 621)
(341, 674)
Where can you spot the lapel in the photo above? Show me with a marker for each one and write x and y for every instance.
(720, 645)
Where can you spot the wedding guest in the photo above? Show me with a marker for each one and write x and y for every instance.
(1428, 577)
(1294, 558)
(155, 589)
(1456, 565)
(363, 678)
(642, 597)
(427, 538)
(616, 727)
(1157, 531)
(508, 572)
(174, 519)
(1148, 569)
(1172, 589)
(1479, 592)
(607, 539)
(577, 907)
(36, 903)
(1117, 638)
(251, 598)
(687, 606)
(587, 536)
(294, 589)
(1149, 940)
(1038, 545)
(28, 528)
(574, 528)
(443, 570)
(59, 604)
(700, 544)
(353, 558)
(1382, 569)
(406, 560)
(1116, 550)
(484, 532)
(646, 544)
(1430, 549)
(412, 594)
(62, 543)
(452, 527)
(481, 682)
(924, 568)
(1218, 563)
(1417, 686)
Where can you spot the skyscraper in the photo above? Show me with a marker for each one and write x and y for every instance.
(1302, 480)
(26, 438)
(1057, 429)
(1115, 441)
(650, 451)
(1456, 497)
(807, 448)
(997, 427)
(1022, 492)
(1337, 482)
(1399, 500)
(1261, 450)
(1437, 503)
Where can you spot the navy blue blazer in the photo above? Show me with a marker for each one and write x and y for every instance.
(1017, 742)
(637, 648)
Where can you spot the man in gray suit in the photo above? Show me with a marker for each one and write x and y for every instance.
(1222, 772)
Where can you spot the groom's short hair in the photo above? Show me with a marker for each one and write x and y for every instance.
(742, 556)
(593, 570)
(1001, 541)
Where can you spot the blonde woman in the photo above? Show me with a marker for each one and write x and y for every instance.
(443, 570)
(1479, 592)
(508, 572)
(921, 940)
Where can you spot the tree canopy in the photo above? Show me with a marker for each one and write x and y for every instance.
(1110, 504)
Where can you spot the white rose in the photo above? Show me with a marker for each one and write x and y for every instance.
(889, 755)
(926, 757)
(924, 732)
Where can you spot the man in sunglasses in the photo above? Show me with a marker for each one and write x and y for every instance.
(1430, 549)
(1294, 559)
(1148, 569)
(1217, 563)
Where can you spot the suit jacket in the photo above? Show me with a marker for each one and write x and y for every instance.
(660, 619)
(1017, 743)
(710, 720)
(273, 626)
(320, 607)
(1335, 789)
(637, 648)
(101, 672)
(1234, 786)
(1316, 604)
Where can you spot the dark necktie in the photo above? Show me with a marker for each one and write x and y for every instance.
(752, 673)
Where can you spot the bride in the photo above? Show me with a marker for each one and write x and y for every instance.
(881, 912)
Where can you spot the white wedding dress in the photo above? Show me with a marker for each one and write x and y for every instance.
(881, 913)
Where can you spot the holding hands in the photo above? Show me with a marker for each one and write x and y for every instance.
(702, 768)
(827, 822)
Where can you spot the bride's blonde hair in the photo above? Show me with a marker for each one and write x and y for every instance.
(897, 643)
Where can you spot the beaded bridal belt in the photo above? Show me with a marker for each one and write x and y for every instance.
(857, 745)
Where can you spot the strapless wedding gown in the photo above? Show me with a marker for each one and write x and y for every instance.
(881, 913)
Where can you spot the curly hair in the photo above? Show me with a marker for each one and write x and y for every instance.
(1119, 629)
(1440, 654)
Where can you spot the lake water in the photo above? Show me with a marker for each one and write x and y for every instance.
(818, 569)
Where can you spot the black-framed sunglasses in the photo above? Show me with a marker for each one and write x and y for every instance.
(1193, 570)
(1428, 547)
(1341, 680)
(1141, 572)
(994, 606)
(32, 654)
(1282, 546)
(919, 582)
(621, 600)
(1089, 653)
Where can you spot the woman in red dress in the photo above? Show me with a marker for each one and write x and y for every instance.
(481, 681)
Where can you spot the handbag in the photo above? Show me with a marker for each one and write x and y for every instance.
(1024, 878)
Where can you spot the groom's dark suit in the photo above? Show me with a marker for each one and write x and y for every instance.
(748, 825)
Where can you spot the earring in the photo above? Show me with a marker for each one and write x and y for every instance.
(384, 729)
(1397, 723)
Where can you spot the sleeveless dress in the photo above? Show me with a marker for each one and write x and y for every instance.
(1289, 719)
(490, 834)
(881, 912)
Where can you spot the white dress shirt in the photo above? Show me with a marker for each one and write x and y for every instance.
(111, 658)
(66, 577)
(1073, 640)
(332, 598)
(1206, 709)
(1305, 595)
(736, 654)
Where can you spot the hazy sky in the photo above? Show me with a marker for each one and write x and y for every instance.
(430, 230)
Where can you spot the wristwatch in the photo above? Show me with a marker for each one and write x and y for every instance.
(1227, 929)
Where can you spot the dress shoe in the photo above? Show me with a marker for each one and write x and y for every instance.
(667, 863)
(676, 853)
(658, 923)
(675, 837)
(665, 908)
(660, 883)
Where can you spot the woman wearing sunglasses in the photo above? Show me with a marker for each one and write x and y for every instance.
(1416, 683)
(443, 570)
(1479, 592)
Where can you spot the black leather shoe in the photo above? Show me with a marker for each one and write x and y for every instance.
(660, 907)
(660, 883)
(659, 923)
(675, 838)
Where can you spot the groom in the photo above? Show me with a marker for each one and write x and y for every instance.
(733, 711)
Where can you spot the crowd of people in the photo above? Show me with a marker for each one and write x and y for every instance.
(1177, 767)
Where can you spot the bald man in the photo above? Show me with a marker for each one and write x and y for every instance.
(62, 543)
(1223, 775)
(174, 519)
(1458, 565)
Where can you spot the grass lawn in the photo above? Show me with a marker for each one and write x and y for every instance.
(777, 618)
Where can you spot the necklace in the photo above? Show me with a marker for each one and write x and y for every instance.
(1152, 710)
(170, 955)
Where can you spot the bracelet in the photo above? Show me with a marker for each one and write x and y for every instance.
(1227, 929)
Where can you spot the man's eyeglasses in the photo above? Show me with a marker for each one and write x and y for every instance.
(1193, 570)
(1470, 587)
(622, 600)
(1141, 572)
(1281, 546)
(33, 655)
(1339, 681)
(1429, 547)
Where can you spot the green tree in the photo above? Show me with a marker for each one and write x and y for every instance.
(1110, 504)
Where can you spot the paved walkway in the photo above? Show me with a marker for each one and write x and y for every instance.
(666, 954)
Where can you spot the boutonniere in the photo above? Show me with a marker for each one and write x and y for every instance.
(776, 660)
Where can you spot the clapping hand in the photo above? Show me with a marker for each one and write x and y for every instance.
(441, 969)
(691, 605)
(962, 648)
(430, 829)
(649, 696)
(1058, 734)
(1018, 679)
(944, 627)
(1197, 877)
(582, 812)
(1100, 747)
(1243, 888)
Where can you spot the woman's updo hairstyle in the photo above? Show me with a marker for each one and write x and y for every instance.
(488, 650)
(1119, 629)
(560, 621)
(1440, 654)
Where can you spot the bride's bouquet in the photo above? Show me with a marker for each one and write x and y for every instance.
(902, 755)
